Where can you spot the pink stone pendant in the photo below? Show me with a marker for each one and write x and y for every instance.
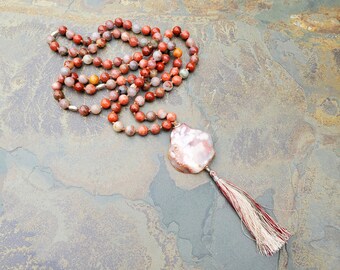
(191, 150)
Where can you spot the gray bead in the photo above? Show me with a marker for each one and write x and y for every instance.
(184, 73)
(122, 89)
(136, 28)
(83, 79)
(140, 100)
(143, 42)
(132, 91)
(50, 39)
(168, 86)
(69, 34)
(127, 58)
(130, 130)
(154, 43)
(155, 81)
(151, 116)
(133, 65)
(111, 84)
(157, 56)
(65, 71)
(161, 114)
(171, 45)
(113, 95)
(96, 109)
(87, 59)
(63, 51)
(69, 81)
(64, 103)
(95, 36)
(166, 40)
(107, 35)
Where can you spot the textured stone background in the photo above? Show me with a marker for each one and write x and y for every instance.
(76, 195)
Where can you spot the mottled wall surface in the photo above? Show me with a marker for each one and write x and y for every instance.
(76, 195)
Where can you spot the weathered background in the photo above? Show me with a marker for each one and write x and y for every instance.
(76, 195)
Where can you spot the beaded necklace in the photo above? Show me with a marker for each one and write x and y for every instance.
(191, 150)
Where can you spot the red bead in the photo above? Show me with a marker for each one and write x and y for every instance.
(133, 41)
(177, 63)
(62, 30)
(105, 103)
(107, 64)
(78, 86)
(74, 75)
(54, 46)
(171, 117)
(177, 80)
(112, 117)
(185, 35)
(146, 51)
(87, 41)
(160, 92)
(160, 66)
(119, 22)
(166, 76)
(134, 108)
(101, 29)
(174, 71)
(176, 30)
(146, 30)
(193, 50)
(123, 100)
(139, 82)
(155, 129)
(77, 39)
(61, 78)
(137, 56)
(165, 58)
(162, 46)
(191, 66)
(149, 96)
(168, 33)
(97, 61)
(115, 73)
(143, 130)
(116, 33)
(127, 25)
(116, 107)
(166, 125)
(131, 78)
(143, 63)
(121, 80)
(104, 77)
(140, 116)
(117, 61)
(84, 110)
(144, 72)
(83, 51)
(146, 86)
(78, 62)
(155, 30)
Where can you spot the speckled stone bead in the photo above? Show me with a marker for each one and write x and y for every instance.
(130, 130)
(113, 95)
(96, 109)
(69, 81)
(143, 130)
(65, 71)
(140, 100)
(83, 79)
(155, 129)
(155, 81)
(151, 116)
(64, 103)
(87, 59)
(118, 126)
(84, 110)
(168, 86)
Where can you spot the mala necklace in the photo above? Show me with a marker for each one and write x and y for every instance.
(191, 150)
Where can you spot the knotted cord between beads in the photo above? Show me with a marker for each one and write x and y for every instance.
(151, 60)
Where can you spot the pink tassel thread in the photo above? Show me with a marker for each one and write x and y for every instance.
(269, 236)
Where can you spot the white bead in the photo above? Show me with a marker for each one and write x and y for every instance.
(87, 59)
(118, 126)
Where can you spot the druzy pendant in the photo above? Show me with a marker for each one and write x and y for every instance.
(191, 150)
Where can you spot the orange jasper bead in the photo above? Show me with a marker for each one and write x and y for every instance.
(177, 53)
(171, 117)
(94, 79)
(143, 130)
(105, 103)
(112, 117)
(166, 125)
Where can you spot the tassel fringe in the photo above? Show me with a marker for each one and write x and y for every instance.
(269, 236)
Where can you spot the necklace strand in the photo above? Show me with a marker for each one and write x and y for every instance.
(124, 88)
